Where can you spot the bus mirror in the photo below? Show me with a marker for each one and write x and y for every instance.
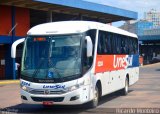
(89, 46)
(14, 45)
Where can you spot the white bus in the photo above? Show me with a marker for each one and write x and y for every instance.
(75, 62)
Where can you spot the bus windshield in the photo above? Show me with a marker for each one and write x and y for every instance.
(51, 57)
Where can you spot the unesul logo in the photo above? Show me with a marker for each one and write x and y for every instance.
(122, 62)
(54, 86)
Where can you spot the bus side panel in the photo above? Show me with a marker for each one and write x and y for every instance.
(134, 70)
(113, 69)
(105, 81)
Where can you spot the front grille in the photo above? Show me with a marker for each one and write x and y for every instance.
(41, 99)
(36, 91)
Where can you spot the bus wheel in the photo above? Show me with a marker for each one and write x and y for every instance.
(125, 89)
(94, 102)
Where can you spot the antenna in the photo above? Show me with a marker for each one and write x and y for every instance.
(12, 29)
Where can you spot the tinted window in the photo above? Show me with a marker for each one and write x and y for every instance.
(111, 43)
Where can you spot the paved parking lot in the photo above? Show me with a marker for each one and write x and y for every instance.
(144, 94)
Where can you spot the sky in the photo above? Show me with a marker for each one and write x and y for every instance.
(139, 6)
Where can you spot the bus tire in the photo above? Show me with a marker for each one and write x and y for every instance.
(94, 102)
(124, 91)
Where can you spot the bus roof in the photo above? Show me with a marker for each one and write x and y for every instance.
(72, 27)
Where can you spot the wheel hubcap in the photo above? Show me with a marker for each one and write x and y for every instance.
(126, 88)
(96, 95)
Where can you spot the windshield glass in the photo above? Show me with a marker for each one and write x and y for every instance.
(52, 57)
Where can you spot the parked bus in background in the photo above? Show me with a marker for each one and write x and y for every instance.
(75, 62)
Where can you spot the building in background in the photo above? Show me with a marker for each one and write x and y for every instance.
(150, 48)
(153, 16)
(137, 27)
(152, 31)
(148, 31)
(151, 20)
(141, 25)
(129, 26)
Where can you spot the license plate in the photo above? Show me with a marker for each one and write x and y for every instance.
(47, 102)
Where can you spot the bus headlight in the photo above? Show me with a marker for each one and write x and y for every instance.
(77, 86)
(72, 88)
(25, 88)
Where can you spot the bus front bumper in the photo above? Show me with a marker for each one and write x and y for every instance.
(78, 96)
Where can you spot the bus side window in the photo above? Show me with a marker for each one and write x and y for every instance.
(131, 46)
(122, 45)
(106, 42)
(109, 46)
(127, 44)
(135, 46)
(112, 43)
(118, 44)
(99, 47)
(103, 43)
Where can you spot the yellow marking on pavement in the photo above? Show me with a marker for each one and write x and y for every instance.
(9, 82)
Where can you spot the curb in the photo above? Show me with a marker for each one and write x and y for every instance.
(3, 82)
(148, 65)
